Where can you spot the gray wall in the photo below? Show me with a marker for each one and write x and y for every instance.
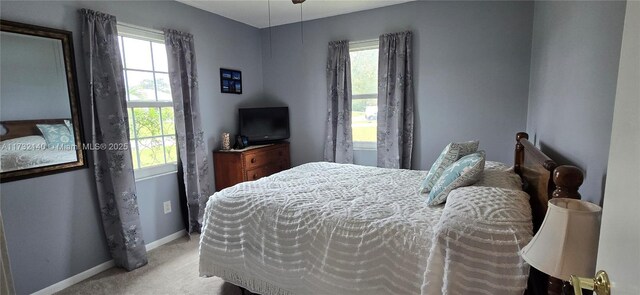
(471, 73)
(32, 74)
(52, 224)
(574, 69)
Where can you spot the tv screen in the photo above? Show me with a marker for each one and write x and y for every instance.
(264, 125)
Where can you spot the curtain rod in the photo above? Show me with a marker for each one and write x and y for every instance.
(150, 30)
(364, 41)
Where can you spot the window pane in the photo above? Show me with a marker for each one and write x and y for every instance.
(160, 57)
(134, 155)
(151, 152)
(364, 115)
(163, 87)
(170, 148)
(147, 122)
(168, 125)
(137, 54)
(121, 49)
(131, 129)
(364, 71)
(140, 85)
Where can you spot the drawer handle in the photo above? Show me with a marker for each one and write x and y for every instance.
(253, 160)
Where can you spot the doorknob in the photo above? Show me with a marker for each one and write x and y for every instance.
(600, 284)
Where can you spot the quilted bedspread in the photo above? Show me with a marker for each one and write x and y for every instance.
(324, 228)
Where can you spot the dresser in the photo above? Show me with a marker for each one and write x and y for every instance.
(233, 167)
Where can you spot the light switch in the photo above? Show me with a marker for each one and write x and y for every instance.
(167, 207)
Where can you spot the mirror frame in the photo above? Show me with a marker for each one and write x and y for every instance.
(74, 101)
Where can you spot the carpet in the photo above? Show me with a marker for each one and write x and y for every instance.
(172, 269)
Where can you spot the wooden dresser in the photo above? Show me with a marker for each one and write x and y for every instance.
(233, 167)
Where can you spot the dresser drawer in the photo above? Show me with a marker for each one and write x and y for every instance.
(255, 160)
(266, 170)
(235, 167)
(255, 174)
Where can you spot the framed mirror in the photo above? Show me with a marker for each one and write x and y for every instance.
(40, 126)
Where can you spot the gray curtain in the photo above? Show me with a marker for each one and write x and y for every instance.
(338, 145)
(6, 281)
(113, 168)
(395, 101)
(191, 147)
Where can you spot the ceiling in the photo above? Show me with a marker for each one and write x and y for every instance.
(256, 12)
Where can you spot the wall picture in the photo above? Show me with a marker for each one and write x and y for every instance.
(230, 81)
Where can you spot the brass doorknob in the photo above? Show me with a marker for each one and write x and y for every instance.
(600, 284)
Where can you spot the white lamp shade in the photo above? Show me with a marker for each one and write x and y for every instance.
(567, 242)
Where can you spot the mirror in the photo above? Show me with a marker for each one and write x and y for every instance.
(40, 129)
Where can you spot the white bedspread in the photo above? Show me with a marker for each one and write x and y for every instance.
(31, 152)
(326, 228)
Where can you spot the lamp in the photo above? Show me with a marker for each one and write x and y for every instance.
(567, 242)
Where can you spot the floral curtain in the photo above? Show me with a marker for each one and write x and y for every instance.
(395, 101)
(338, 145)
(6, 280)
(113, 168)
(192, 152)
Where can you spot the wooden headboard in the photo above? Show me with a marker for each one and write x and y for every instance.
(543, 180)
(22, 128)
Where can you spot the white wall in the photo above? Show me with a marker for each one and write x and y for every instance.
(619, 248)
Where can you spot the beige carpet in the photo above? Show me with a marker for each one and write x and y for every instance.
(172, 269)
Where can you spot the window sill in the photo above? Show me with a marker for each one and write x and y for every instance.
(365, 149)
(155, 171)
(365, 146)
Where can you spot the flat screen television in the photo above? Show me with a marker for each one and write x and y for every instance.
(264, 125)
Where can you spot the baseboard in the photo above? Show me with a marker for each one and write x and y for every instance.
(76, 279)
(167, 239)
(59, 286)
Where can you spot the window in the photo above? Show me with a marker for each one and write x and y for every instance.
(149, 101)
(364, 88)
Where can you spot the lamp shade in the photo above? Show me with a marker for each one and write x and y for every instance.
(567, 242)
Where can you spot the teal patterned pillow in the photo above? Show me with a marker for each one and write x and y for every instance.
(451, 153)
(463, 172)
(56, 135)
(70, 127)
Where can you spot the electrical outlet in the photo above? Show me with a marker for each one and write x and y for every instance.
(167, 207)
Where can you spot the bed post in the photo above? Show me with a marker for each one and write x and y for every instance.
(519, 160)
(567, 180)
(543, 180)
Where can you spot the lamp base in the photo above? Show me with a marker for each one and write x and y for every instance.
(555, 286)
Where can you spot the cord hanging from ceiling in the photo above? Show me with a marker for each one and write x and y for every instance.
(269, 11)
(301, 23)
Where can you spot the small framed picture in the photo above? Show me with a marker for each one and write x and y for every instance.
(230, 81)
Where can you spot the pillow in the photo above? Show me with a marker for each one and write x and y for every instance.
(70, 127)
(451, 153)
(56, 135)
(499, 175)
(463, 172)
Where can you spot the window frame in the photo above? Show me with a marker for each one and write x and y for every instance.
(153, 36)
(361, 46)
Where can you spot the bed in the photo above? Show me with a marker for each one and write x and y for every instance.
(24, 147)
(327, 228)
